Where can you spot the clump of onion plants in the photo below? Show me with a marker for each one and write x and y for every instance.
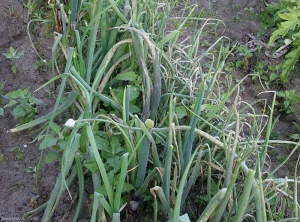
(155, 119)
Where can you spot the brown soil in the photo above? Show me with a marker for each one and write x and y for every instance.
(19, 191)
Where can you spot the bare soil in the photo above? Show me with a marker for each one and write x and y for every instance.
(19, 191)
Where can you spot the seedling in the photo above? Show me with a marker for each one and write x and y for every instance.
(2, 157)
(11, 10)
(245, 54)
(26, 104)
(40, 64)
(268, 73)
(14, 56)
(19, 151)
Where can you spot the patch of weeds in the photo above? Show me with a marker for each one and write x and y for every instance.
(237, 18)
(287, 100)
(283, 18)
(12, 10)
(57, 140)
(19, 152)
(252, 13)
(2, 157)
(41, 65)
(14, 56)
(296, 136)
(33, 10)
(236, 7)
(269, 74)
(275, 135)
(25, 104)
(245, 54)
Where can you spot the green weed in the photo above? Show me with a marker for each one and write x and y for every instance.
(14, 56)
(2, 157)
(19, 152)
(25, 104)
(41, 65)
(296, 136)
(283, 18)
(287, 100)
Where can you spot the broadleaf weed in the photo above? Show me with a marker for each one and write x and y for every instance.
(25, 104)
(14, 56)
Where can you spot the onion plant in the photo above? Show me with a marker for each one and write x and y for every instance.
(155, 116)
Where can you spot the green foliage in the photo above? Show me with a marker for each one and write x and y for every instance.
(14, 56)
(19, 152)
(34, 9)
(287, 100)
(25, 104)
(296, 136)
(269, 74)
(41, 65)
(151, 120)
(284, 17)
(244, 55)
